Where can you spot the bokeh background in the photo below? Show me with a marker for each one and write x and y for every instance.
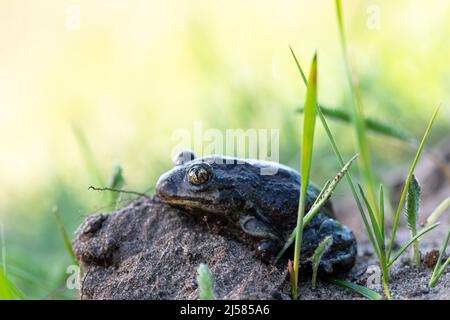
(86, 83)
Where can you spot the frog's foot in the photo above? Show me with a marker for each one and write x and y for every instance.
(271, 240)
(341, 255)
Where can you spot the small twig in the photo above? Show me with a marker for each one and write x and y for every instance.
(120, 191)
(111, 204)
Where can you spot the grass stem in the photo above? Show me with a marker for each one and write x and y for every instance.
(64, 234)
(309, 121)
(357, 116)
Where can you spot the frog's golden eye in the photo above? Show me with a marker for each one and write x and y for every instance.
(199, 174)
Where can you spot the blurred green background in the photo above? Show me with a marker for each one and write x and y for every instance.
(127, 74)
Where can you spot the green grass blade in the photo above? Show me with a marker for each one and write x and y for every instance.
(5, 288)
(444, 247)
(382, 222)
(8, 291)
(373, 219)
(410, 242)
(302, 74)
(436, 276)
(17, 292)
(117, 181)
(408, 181)
(205, 283)
(438, 270)
(373, 125)
(443, 267)
(436, 214)
(341, 163)
(309, 122)
(357, 116)
(323, 246)
(3, 242)
(366, 292)
(65, 236)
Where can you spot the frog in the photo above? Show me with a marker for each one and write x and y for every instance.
(255, 201)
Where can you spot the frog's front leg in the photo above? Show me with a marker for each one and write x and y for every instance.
(270, 241)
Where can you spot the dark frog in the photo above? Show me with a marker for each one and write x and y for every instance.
(255, 200)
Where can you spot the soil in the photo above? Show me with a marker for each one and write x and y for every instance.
(149, 250)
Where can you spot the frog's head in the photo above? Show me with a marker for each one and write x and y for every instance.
(203, 184)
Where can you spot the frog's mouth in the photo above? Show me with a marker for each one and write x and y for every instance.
(185, 202)
(193, 205)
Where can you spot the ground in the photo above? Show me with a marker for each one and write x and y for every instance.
(149, 250)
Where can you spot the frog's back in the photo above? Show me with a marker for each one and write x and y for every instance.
(274, 188)
(281, 192)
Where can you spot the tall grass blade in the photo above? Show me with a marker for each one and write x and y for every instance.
(117, 181)
(383, 261)
(3, 243)
(373, 125)
(323, 246)
(65, 236)
(309, 123)
(8, 291)
(382, 223)
(357, 117)
(408, 181)
(366, 292)
(373, 219)
(302, 74)
(5, 289)
(341, 163)
(205, 283)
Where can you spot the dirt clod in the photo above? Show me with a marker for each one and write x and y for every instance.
(149, 250)
(431, 258)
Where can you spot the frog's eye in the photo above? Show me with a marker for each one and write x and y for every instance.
(199, 174)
